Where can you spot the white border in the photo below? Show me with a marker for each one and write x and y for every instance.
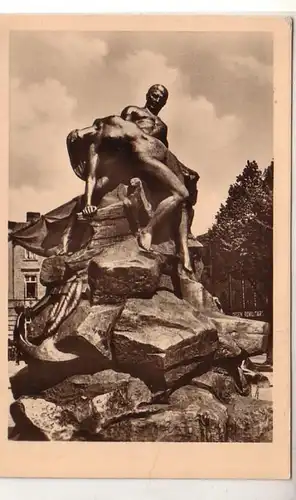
(149, 6)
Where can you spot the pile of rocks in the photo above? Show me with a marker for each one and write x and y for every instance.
(145, 355)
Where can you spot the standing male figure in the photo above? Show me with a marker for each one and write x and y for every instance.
(147, 117)
(148, 120)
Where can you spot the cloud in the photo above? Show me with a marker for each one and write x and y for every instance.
(43, 113)
(196, 132)
(37, 55)
(39, 102)
(49, 76)
(197, 135)
(76, 49)
(194, 127)
(25, 199)
(249, 67)
(41, 117)
(143, 68)
(65, 80)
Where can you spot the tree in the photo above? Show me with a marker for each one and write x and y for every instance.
(241, 239)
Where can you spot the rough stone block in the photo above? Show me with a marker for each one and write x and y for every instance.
(250, 420)
(194, 415)
(81, 405)
(122, 271)
(160, 333)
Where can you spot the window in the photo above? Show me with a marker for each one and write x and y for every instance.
(29, 255)
(30, 286)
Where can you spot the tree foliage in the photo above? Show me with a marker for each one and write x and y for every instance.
(242, 235)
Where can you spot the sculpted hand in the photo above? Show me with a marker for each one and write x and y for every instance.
(89, 209)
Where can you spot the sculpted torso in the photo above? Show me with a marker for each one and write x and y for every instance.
(115, 138)
(112, 138)
(146, 121)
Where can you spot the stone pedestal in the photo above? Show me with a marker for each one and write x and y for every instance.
(124, 347)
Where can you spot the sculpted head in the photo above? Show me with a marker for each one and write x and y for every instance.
(156, 98)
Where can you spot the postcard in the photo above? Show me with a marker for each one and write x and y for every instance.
(146, 307)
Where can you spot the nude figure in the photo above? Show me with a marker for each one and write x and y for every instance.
(121, 141)
(147, 119)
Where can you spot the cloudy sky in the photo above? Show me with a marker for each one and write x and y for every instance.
(219, 112)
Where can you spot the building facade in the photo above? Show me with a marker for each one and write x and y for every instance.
(24, 287)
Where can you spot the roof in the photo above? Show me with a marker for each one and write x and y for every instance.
(14, 226)
(32, 217)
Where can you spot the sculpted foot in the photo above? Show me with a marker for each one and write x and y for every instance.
(186, 270)
(145, 240)
(186, 264)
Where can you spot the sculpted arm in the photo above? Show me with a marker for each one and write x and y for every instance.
(88, 134)
(127, 113)
(93, 160)
(160, 131)
(93, 179)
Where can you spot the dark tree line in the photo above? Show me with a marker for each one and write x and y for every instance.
(241, 239)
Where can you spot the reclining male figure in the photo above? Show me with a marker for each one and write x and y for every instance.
(122, 141)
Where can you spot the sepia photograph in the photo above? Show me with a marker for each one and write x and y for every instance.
(141, 236)
(141, 310)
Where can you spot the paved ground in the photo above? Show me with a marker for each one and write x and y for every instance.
(263, 392)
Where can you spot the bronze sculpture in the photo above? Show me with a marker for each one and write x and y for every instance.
(147, 118)
(151, 157)
(112, 309)
(113, 139)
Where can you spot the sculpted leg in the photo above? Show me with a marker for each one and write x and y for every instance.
(93, 162)
(166, 206)
(183, 240)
